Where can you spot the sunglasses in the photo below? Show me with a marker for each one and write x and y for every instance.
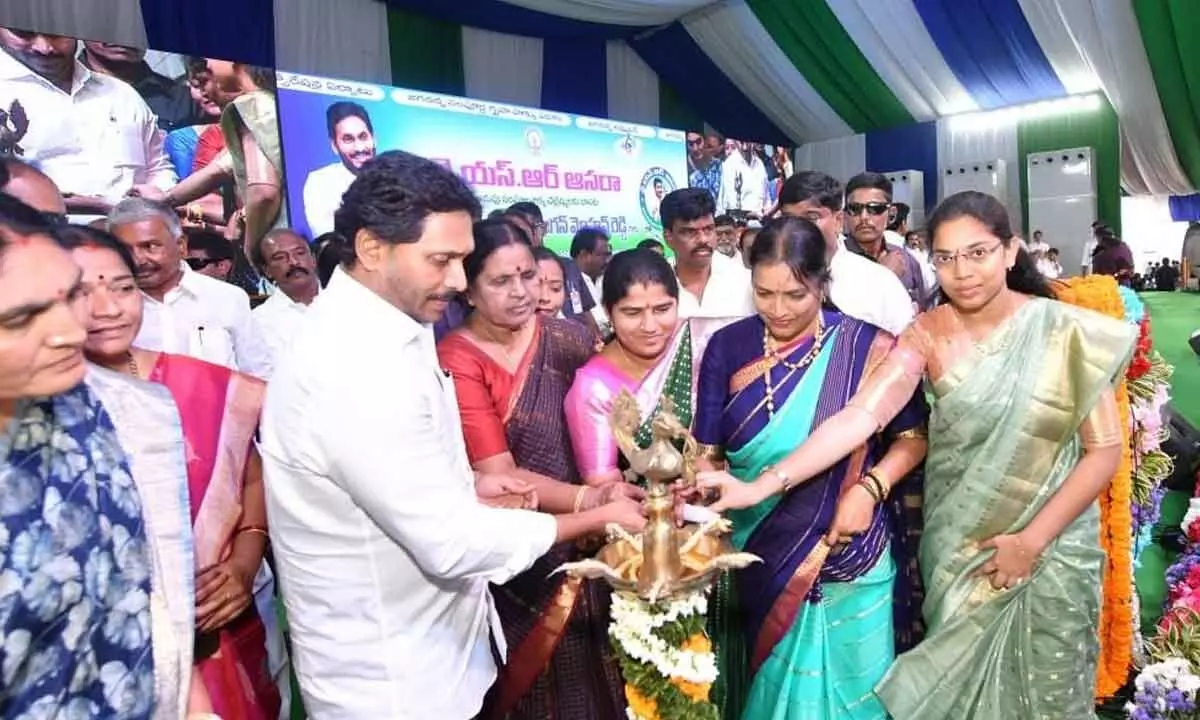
(872, 208)
(201, 263)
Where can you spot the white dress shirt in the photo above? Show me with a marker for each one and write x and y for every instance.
(728, 293)
(868, 291)
(595, 289)
(100, 139)
(276, 322)
(1089, 247)
(323, 190)
(383, 551)
(207, 319)
(752, 196)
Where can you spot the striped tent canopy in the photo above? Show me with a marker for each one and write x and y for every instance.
(857, 84)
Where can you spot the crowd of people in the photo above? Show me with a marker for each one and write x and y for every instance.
(410, 432)
(413, 439)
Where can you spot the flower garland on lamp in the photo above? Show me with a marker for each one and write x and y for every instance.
(666, 657)
(1099, 293)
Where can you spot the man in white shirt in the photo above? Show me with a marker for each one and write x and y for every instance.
(860, 288)
(743, 181)
(710, 284)
(92, 134)
(185, 312)
(287, 261)
(352, 137)
(384, 549)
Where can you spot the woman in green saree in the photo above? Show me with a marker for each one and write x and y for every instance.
(1024, 436)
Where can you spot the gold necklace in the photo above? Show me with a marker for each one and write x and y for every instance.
(133, 366)
(774, 358)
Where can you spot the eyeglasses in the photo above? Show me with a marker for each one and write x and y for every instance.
(975, 255)
(196, 263)
(872, 208)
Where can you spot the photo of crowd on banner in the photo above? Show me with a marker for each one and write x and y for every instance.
(198, 134)
(744, 179)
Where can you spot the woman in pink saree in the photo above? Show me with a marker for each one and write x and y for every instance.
(219, 409)
(651, 355)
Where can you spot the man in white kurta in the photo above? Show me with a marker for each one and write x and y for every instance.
(860, 288)
(384, 552)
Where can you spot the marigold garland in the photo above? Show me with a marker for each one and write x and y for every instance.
(1099, 293)
(665, 656)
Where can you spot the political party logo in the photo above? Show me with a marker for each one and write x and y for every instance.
(655, 185)
(534, 140)
(629, 146)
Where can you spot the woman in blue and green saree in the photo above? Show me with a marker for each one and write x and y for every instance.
(808, 632)
(1024, 436)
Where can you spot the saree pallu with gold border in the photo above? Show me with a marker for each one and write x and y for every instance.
(1003, 438)
(807, 633)
(219, 409)
(560, 664)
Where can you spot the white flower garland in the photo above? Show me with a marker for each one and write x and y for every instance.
(633, 625)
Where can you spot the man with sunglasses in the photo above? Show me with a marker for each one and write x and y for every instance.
(209, 254)
(868, 212)
(859, 287)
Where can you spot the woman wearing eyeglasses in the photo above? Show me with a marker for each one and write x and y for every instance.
(1024, 436)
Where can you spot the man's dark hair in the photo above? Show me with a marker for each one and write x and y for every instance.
(686, 205)
(339, 111)
(902, 211)
(725, 221)
(650, 244)
(812, 186)
(214, 245)
(529, 209)
(21, 219)
(870, 181)
(586, 240)
(393, 194)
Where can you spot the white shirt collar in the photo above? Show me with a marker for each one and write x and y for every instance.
(13, 69)
(371, 307)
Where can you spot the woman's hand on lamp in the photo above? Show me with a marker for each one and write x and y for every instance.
(734, 493)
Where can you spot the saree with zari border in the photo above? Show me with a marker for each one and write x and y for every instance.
(220, 409)
(808, 632)
(1012, 415)
(560, 663)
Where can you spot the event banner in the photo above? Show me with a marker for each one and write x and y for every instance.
(581, 171)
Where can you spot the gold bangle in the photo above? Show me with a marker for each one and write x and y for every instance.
(916, 433)
(880, 485)
(580, 494)
(870, 488)
(715, 453)
(256, 529)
